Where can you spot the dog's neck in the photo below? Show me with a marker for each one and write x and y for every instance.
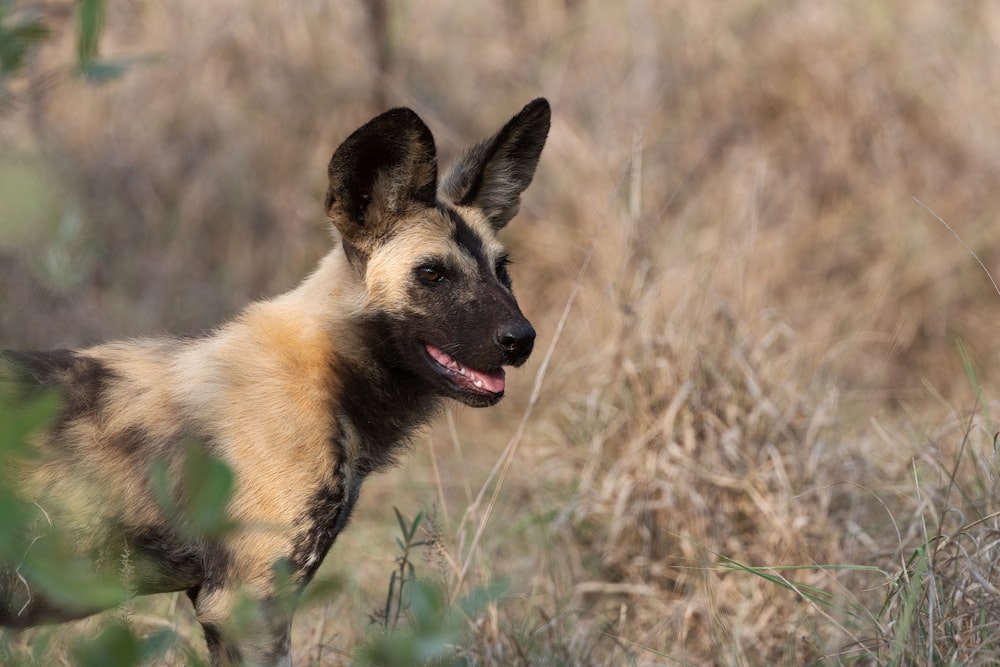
(325, 323)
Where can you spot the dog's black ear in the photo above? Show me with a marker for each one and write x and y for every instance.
(493, 174)
(384, 171)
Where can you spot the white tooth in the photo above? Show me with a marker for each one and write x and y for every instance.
(478, 383)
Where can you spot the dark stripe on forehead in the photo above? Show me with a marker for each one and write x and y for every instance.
(466, 237)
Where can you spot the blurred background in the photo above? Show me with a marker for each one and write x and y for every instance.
(757, 250)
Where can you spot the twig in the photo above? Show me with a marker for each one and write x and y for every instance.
(960, 240)
(17, 570)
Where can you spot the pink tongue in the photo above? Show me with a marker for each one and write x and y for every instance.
(469, 378)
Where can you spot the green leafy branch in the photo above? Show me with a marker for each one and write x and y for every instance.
(23, 31)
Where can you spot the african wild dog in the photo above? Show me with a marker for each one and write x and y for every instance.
(302, 395)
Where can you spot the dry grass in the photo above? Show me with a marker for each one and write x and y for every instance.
(758, 368)
(943, 603)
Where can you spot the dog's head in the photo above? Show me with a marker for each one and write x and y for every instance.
(428, 253)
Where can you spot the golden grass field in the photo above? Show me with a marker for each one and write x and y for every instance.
(758, 425)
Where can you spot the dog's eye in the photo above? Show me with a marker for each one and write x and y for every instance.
(501, 269)
(431, 274)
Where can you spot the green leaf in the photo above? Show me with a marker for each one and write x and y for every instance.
(198, 501)
(20, 418)
(29, 30)
(429, 605)
(416, 524)
(208, 486)
(159, 479)
(319, 592)
(67, 581)
(13, 519)
(156, 645)
(480, 597)
(970, 373)
(16, 39)
(402, 522)
(90, 20)
(99, 71)
(915, 591)
(115, 645)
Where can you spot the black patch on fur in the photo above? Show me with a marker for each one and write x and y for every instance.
(386, 399)
(327, 515)
(355, 257)
(466, 237)
(384, 433)
(221, 651)
(136, 439)
(164, 562)
(80, 380)
(320, 524)
(218, 564)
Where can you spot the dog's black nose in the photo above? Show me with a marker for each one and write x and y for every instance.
(517, 339)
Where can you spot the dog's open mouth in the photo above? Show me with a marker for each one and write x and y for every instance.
(486, 383)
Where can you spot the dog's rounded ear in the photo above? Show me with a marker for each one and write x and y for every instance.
(385, 170)
(492, 174)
